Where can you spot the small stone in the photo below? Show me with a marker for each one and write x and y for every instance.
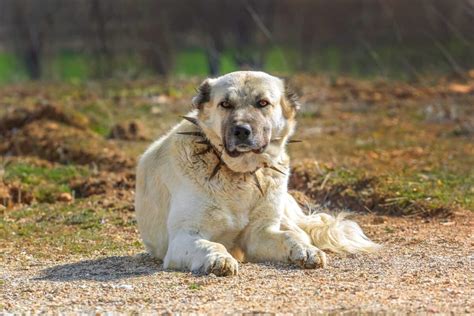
(378, 220)
(125, 286)
(156, 110)
(65, 197)
(448, 223)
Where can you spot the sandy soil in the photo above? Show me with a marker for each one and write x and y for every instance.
(425, 267)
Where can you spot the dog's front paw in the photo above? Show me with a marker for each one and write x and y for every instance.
(307, 256)
(220, 265)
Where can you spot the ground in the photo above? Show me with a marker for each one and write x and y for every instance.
(396, 155)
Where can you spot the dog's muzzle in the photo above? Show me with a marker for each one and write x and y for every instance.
(241, 140)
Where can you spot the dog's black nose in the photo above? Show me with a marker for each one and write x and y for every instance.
(243, 132)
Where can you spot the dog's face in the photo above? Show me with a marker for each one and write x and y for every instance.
(248, 115)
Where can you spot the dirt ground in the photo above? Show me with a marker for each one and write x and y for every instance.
(398, 156)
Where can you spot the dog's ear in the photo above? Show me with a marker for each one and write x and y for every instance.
(292, 98)
(203, 94)
(291, 103)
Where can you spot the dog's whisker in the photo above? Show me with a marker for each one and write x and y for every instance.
(257, 183)
(191, 119)
(200, 134)
(216, 169)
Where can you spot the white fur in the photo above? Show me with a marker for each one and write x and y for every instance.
(195, 223)
(336, 234)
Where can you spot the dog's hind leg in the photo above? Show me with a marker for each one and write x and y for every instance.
(267, 238)
(152, 199)
(152, 213)
(334, 233)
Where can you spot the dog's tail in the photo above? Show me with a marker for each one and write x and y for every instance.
(335, 233)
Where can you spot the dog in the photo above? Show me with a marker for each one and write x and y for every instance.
(213, 190)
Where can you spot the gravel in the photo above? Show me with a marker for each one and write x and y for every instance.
(424, 267)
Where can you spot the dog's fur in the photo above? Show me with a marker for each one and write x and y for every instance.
(203, 202)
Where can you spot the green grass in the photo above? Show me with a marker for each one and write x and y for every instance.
(436, 188)
(67, 229)
(276, 60)
(100, 116)
(44, 183)
(227, 63)
(34, 175)
(70, 66)
(11, 69)
(194, 287)
(364, 60)
(86, 219)
(408, 192)
(191, 62)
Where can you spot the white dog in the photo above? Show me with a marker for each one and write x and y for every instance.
(214, 189)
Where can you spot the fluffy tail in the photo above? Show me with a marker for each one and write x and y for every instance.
(336, 234)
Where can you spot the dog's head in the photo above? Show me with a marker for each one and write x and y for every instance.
(247, 114)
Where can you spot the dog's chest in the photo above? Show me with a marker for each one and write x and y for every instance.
(233, 205)
(231, 224)
(229, 197)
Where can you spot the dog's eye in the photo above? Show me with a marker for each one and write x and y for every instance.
(263, 103)
(225, 104)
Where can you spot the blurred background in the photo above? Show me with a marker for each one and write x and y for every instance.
(81, 40)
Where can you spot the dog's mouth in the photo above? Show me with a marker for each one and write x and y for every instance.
(243, 149)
